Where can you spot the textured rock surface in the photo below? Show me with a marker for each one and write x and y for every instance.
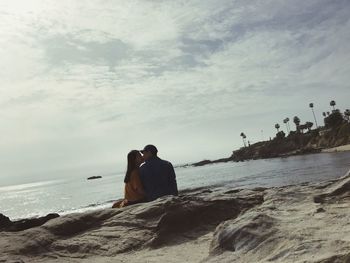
(339, 191)
(4, 221)
(206, 225)
(7, 225)
(289, 227)
(114, 231)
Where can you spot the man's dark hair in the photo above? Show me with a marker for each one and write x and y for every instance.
(150, 148)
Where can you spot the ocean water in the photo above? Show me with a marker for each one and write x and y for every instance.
(77, 194)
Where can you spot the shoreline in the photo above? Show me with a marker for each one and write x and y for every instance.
(107, 204)
(306, 222)
(334, 136)
(342, 148)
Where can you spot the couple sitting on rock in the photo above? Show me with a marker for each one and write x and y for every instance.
(147, 177)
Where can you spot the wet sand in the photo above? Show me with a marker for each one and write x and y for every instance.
(342, 148)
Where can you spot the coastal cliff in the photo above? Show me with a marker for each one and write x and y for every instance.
(296, 143)
(299, 223)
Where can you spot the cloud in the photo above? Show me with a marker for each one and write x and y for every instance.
(113, 75)
(62, 50)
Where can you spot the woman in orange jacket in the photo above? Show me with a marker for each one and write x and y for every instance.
(133, 191)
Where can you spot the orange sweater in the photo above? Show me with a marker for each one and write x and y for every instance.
(133, 189)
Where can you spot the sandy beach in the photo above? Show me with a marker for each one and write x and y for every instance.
(298, 223)
(342, 148)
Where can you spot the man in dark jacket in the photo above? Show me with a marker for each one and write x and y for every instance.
(157, 176)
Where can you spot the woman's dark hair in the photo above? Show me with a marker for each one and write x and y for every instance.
(131, 164)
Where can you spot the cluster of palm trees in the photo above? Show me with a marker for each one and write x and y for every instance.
(301, 127)
(332, 104)
(307, 125)
(286, 122)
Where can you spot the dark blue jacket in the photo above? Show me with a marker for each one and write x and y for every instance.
(158, 178)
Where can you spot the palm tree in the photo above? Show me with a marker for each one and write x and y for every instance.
(243, 138)
(296, 120)
(285, 121)
(347, 114)
(332, 103)
(277, 126)
(324, 117)
(311, 105)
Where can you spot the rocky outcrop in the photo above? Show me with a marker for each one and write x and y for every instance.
(245, 233)
(336, 192)
(281, 224)
(295, 143)
(4, 221)
(114, 231)
(94, 177)
(289, 227)
(205, 162)
(7, 225)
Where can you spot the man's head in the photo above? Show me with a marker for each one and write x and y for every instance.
(149, 151)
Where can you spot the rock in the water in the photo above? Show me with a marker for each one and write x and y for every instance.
(94, 177)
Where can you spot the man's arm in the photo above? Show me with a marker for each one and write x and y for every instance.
(172, 180)
(144, 183)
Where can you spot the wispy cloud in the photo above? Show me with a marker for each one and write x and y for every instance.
(114, 75)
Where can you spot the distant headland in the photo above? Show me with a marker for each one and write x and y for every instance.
(334, 133)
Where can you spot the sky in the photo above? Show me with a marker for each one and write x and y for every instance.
(84, 82)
